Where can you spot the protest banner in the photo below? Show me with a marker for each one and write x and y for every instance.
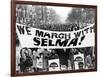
(33, 37)
(77, 59)
(54, 65)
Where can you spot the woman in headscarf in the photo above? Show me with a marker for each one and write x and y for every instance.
(25, 60)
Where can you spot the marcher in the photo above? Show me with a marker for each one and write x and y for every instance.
(88, 62)
(25, 60)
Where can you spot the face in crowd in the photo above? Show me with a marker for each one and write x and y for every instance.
(24, 53)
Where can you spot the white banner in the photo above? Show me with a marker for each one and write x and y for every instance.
(77, 59)
(33, 37)
(54, 65)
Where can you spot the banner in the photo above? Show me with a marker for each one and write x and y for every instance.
(33, 37)
(77, 59)
(54, 65)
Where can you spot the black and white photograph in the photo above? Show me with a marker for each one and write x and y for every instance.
(54, 38)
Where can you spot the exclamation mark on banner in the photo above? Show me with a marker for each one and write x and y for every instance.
(82, 38)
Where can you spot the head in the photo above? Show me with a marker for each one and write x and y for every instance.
(24, 52)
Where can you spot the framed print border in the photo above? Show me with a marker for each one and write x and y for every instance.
(13, 36)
